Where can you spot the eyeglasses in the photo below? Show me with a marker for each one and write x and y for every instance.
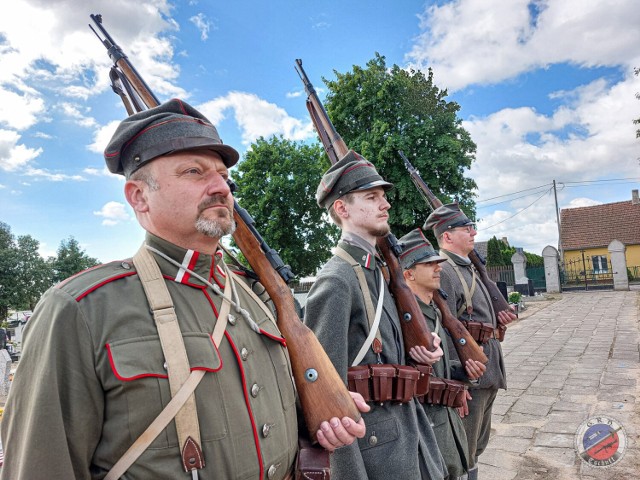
(467, 228)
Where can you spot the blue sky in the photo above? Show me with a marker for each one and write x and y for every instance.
(546, 89)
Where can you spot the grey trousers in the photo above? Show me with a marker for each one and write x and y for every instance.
(477, 424)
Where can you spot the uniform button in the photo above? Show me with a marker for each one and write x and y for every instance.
(272, 471)
(373, 440)
(255, 388)
(266, 429)
(244, 353)
(231, 319)
(164, 365)
(126, 265)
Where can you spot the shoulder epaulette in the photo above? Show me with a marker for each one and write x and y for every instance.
(87, 281)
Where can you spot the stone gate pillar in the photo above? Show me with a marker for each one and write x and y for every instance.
(619, 265)
(551, 270)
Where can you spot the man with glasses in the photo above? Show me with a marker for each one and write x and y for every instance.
(470, 301)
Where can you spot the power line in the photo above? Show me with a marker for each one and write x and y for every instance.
(507, 201)
(519, 211)
(514, 193)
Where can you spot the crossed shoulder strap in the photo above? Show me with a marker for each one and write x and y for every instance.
(182, 381)
(468, 292)
(373, 316)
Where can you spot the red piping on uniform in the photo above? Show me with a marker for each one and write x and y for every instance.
(101, 284)
(280, 340)
(246, 401)
(156, 375)
(169, 277)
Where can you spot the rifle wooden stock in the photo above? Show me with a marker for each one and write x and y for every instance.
(466, 346)
(415, 330)
(497, 299)
(414, 327)
(322, 393)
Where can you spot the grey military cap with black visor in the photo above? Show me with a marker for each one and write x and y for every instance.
(171, 127)
(353, 172)
(445, 218)
(417, 249)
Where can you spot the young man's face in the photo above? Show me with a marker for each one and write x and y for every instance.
(367, 212)
(427, 275)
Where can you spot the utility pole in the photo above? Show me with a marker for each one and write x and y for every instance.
(555, 195)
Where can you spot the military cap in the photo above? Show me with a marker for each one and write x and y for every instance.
(417, 249)
(353, 172)
(171, 127)
(445, 218)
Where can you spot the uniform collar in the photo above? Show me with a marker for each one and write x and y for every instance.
(463, 261)
(360, 255)
(428, 309)
(205, 265)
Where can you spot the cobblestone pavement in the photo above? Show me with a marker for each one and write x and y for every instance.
(567, 360)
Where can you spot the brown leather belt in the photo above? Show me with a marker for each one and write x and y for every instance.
(389, 382)
(483, 332)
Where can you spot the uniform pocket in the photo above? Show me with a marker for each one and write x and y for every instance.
(380, 433)
(139, 364)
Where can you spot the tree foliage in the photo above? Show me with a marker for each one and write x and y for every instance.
(25, 275)
(70, 260)
(379, 110)
(494, 252)
(277, 180)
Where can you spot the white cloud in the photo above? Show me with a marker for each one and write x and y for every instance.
(113, 214)
(478, 42)
(50, 176)
(256, 117)
(13, 155)
(582, 202)
(202, 24)
(102, 135)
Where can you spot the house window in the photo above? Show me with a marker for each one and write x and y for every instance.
(600, 264)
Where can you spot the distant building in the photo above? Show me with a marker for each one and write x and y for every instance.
(586, 232)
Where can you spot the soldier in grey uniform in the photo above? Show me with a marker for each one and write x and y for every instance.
(399, 442)
(94, 372)
(422, 267)
(470, 300)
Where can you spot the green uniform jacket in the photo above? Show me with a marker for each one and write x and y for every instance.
(495, 376)
(447, 424)
(399, 442)
(92, 378)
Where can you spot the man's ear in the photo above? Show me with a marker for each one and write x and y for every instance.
(340, 207)
(408, 275)
(135, 192)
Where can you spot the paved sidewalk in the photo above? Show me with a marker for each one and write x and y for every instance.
(566, 361)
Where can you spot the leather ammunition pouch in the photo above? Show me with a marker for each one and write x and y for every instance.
(449, 393)
(389, 382)
(482, 332)
(312, 462)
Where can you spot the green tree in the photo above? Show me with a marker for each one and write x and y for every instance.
(380, 110)
(494, 252)
(7, 269)
(70, 260)
(33, 275)
(277, 180)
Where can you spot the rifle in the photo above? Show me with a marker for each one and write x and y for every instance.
(498, 301)
(414, 326)
(322, 393)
